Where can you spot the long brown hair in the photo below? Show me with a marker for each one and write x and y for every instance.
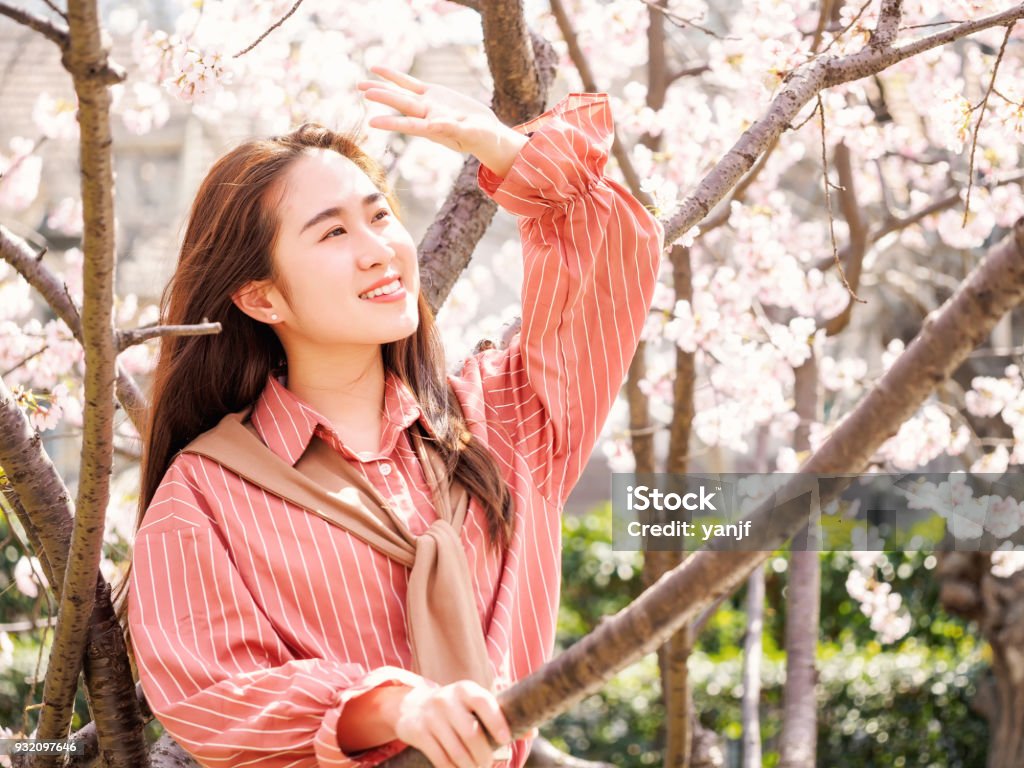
(199, 379)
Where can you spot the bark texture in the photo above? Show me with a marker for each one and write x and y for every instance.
(84, 58)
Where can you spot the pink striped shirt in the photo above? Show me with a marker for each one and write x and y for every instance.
(253, 622)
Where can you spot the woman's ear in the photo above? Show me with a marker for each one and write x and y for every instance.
(259, 300)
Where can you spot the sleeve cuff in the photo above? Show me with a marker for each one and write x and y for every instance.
(566, 153)
(328, 751)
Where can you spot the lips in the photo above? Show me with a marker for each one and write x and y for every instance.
(383, 287)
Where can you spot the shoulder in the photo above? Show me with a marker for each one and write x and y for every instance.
(182, 499)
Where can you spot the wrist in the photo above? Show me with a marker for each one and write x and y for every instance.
(369, 719)
(503, 151)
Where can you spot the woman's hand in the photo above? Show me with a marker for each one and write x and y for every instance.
(445, 724)
(444, 116)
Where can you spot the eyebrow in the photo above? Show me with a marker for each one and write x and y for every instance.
(337, 210)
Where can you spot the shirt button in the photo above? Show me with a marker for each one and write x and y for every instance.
(385, 469)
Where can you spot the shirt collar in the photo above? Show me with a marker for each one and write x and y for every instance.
(286, 423)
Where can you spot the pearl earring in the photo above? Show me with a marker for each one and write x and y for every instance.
(273, 317)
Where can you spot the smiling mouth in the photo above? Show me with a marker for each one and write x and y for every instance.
(384, 290)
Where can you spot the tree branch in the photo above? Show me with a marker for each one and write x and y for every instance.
(85, 600)
(828, 205)
(33, 21)
(739, 192)
(134, 336)
(888, 24)
(109, 73)
(53, 6)
(19, 255)
(801, 86)
(272, 27)
(981, 116)
(897, 223)
(857, 246)
(824, 16)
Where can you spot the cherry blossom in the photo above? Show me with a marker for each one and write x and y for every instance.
(1007, 560)
(20, 173)
(1005, 516)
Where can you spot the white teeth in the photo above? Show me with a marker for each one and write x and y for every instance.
(391, 287)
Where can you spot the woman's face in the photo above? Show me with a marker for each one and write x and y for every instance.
(348, 265)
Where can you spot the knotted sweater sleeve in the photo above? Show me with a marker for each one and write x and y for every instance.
(215, 673)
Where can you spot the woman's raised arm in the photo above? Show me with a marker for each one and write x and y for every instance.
(591, 254)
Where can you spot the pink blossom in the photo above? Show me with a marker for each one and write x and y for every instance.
(1005, 517)
(994, 462)
(56, 118)
(1007, 560)
(989, 396)
(20, 174)
(66, 217)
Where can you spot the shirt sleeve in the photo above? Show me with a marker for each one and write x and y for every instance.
(215, 673)
(591, 254)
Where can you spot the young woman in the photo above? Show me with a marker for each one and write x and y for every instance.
(268, 631)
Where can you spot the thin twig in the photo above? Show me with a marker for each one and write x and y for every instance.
(692, 71)
(803, 122)
(679, 21)
(1007, 99)
(16, 366)
(981, 116)
(828, 205)
(22, 157)
(134, 336)
(56, 10)
(579, 60)
(843, 31)
(274, 26)
(935, 24)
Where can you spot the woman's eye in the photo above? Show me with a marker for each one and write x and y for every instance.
(381, 214)
(339, 230)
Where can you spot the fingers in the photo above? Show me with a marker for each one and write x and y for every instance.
(414, 126)
(404, 103)
(450, 725)
(459, 745)
(402, 79)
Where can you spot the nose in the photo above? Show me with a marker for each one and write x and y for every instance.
(374, 249)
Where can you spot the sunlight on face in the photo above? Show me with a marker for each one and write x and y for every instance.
(348, 265)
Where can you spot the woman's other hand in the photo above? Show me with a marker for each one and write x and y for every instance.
(445, 724)
(444, 116)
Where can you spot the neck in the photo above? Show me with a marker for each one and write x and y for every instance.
(346, 387)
